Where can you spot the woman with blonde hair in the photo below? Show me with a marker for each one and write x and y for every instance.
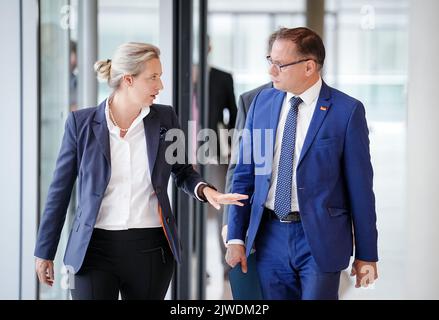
(124, 237)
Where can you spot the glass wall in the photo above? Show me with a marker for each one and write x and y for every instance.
(367, 45)
(125, 21)
(239, 33)
(58, 97)
(367, 57)
(118, 22)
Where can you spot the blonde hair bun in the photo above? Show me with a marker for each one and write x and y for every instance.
(129, 58)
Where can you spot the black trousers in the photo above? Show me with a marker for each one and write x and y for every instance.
(136, 262)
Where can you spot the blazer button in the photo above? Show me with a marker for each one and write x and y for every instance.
(158, 190)
(167, 220)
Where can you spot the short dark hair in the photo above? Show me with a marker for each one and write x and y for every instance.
(73, 46)
(307, 41)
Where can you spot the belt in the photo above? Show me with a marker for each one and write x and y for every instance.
(291, 217)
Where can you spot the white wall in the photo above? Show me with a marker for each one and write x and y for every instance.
(30, 181)
(19, 145)
(10, 159)
(422, 276)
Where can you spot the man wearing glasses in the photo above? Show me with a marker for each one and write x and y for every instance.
(314, 206)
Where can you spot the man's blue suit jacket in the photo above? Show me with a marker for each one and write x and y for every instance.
(85, 153)
(334, 178)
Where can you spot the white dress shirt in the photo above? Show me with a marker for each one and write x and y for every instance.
(306, 111)
(129, 200)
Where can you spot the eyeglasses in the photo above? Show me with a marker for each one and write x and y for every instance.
(279, 66)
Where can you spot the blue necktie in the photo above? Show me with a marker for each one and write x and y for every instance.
(282, 198)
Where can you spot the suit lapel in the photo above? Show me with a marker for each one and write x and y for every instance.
(152, 135)
(320, 112)
(100, 130)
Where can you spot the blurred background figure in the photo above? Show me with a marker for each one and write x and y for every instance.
(73, 84)
(244, 286)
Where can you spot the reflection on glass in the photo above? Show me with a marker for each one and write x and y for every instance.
(55, 105)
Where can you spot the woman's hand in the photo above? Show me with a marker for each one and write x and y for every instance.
(44, 269)
(216, 198)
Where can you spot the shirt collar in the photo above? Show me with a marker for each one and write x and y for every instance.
(111, 127)
(309, 95)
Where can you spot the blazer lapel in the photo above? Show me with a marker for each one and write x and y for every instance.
(100, 130)
(320, 112)
(152, 136)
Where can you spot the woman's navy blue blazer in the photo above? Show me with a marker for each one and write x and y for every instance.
(85, 154)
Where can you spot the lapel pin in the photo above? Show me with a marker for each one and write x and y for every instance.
(323, 108)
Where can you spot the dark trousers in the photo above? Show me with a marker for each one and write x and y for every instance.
(136, 262)
(286, 267)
